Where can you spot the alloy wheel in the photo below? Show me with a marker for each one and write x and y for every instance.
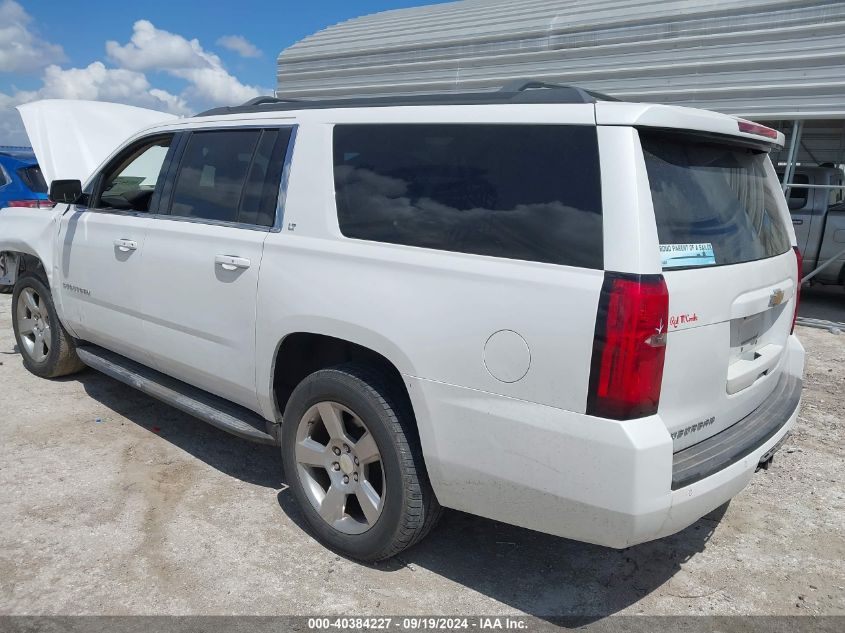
(34, 325)
(340, 468)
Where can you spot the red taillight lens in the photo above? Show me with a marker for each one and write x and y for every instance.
(755, 128)
(800, 262)
(629, 347)
(31, 204)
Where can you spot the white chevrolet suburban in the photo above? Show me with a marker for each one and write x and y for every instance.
(538, 305)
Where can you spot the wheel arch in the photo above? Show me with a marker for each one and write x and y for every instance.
(302, 352)
(13, 264)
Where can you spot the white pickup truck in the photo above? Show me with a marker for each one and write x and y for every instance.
(538, 305)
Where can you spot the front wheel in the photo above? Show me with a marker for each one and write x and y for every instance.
(47, 349)
(354, 465)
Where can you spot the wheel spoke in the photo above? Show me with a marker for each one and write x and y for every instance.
(26, 326)
(45, 335)
(311, 453)
(331, 416)
(38, 350)
(369, 501)
(366, 449)
(29, 300)
(333, 504)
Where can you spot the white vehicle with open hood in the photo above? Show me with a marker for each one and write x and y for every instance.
(538, 305)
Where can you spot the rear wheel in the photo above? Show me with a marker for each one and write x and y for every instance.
(47, 349)
(354, 464)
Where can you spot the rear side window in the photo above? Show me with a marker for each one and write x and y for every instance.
(33, 178)
(713, 203)
(527, 192)
(231, 176)
(212, 174)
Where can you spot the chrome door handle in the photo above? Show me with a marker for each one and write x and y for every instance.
(230, 262)
(126, 245)
(797, 222)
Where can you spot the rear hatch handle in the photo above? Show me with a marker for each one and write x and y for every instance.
(744, 373)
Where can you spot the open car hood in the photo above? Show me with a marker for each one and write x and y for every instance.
(71, 138)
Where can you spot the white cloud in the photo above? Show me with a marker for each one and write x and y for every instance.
(150, 50)
(214, 86)
(98, 83)
(154, 49)
(240, 45)
(21, 50)
(95, 82)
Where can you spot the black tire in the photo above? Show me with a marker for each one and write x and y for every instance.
(410, 508)
(6, 290)
(61, 358)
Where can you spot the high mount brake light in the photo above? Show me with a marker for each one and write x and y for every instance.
(800, 262)
(629, 347)
(755, 128)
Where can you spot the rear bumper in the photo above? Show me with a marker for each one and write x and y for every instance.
(590, 479)
(723, 449)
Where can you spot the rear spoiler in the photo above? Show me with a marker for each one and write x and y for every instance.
(649, 115)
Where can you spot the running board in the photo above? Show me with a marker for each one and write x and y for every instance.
(218, 412)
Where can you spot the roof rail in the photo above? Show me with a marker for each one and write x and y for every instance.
(264, 100)
(517, 91)
(521, 85)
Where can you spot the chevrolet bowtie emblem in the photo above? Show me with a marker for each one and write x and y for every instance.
(777, 298)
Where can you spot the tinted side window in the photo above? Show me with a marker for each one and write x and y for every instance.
(33, 178)
(212, 174)
(261, 195)
(3, 180)
(528, 192)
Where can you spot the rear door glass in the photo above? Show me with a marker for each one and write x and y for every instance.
(713, 203)
(212, 174)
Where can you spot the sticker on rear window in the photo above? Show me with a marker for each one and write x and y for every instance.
(677, 255)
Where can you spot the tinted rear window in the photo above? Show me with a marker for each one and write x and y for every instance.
(527, 192)
(33, 178)
(713, 203)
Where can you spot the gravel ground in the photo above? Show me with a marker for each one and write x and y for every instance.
(115, 504)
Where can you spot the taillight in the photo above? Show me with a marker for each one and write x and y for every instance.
(31, 204)
(800, 262)
(629, 346)
(750, 127)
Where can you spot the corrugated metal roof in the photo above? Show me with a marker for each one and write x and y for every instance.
(761, 59)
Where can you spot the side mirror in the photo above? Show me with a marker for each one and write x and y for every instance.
(65, 191)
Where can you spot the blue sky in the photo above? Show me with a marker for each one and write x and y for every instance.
(167, 55)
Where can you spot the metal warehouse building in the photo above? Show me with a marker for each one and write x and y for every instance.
(779, 61)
